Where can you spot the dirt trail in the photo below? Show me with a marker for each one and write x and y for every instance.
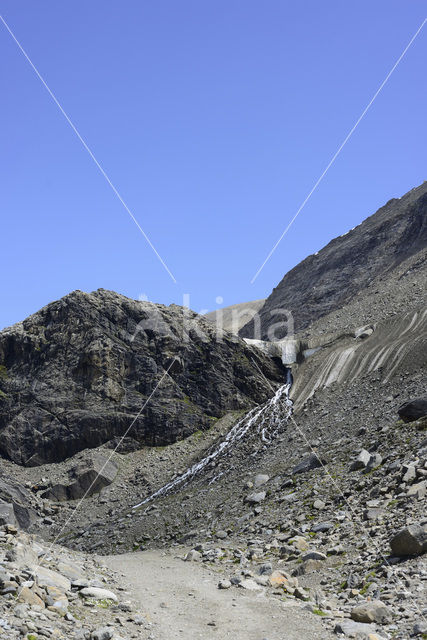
(183, 601)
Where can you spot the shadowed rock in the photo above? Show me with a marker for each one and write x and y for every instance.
(82, 370)
(413, 409)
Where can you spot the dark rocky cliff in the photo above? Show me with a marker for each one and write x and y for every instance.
(76, 373)
(348, 264)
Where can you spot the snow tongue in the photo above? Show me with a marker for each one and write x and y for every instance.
(264, 421)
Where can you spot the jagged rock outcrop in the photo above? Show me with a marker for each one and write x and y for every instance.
(330, 278)
(78, 373)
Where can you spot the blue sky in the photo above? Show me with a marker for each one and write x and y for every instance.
(213, 120)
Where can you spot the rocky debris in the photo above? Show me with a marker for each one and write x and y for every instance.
(410, 541)
(92, 474)
(75, 374)
(413, 409)
(37, 599)
(346, 266)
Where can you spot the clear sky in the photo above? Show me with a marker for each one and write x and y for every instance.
(213, 119)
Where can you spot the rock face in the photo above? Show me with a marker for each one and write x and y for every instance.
(325, 281)
(78, 373)
(413, 409)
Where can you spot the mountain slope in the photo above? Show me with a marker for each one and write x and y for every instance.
(329, 279)
(234, 317)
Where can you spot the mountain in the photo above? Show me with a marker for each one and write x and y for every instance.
(324, 282)
(305, 492)
(78, 373)
(236, 316)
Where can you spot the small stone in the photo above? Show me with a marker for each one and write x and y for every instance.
(314, 555)
(260, 479)
(319, 504)
(224, 584)
(193, 556)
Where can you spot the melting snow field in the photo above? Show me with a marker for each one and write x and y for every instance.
(265, 421)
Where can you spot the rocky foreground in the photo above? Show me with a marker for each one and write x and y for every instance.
(47, 591)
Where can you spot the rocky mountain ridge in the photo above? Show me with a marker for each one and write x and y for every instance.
(329, 279)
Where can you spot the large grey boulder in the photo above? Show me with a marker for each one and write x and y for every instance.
(353, 629)
(413, 409)
(16, 505)
(7, 514)
(313, 461)
(91, 475)
(76, 374)
(372, 611)
(410, 541)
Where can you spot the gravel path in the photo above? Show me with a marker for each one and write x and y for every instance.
(183, 601)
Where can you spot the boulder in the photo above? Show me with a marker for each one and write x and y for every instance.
(14, 494)
(314, 555)
(224, 584)
(313, 461)
(98, 594)
(48, 578)
(418, 490)
(413, 409)
(7, 514)
(260, 479)
(353, 629)
(361, 461)
(372, 611)
(103, 633)
(27, 596)
(255, 498)
(322, 527)
(363, 332)
(410, 541)
(92, 474)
